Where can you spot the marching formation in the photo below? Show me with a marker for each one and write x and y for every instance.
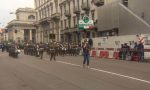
(53, 49)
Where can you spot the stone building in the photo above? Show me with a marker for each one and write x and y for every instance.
(23, 29)
(3, 35)
(58, 19)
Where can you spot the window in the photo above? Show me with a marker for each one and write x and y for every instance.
(61, 25)
(64, 7)
(40, 14)
(37, 16)
(82, 2)
(69, 22)
(52, 25)
(51, 8)
(65, 23)
(74, 21)
(31, 17)
(61, 11)
(69, 6)
(45, 12)
(82, 15)
(93, 15)
(74, 4)
(48, 11)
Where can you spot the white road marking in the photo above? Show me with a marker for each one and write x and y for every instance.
(2, 54)
(70, 64)
(108, 72)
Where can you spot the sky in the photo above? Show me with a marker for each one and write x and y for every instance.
(7, 6)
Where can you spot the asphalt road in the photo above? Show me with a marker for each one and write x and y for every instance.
(32, 73)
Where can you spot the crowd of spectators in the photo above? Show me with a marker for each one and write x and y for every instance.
(128, 52)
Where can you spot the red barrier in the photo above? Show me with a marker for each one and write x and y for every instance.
(116, 55)
(136, 58)
(101, 54)
(104, 54)
(93, 54)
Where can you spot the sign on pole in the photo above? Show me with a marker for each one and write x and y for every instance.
(86, 23)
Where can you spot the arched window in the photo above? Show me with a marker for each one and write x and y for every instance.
(31, 17)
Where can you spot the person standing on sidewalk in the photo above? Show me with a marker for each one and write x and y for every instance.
(86, 53)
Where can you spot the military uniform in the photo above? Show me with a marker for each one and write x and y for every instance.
(53, 52)
(41, 50)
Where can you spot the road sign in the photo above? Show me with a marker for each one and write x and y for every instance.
(86, 23)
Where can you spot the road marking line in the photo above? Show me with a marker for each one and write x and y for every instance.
(108, 72)
(69, 63)
(2, 54)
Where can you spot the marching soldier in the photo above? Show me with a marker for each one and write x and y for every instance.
(53, 52)
(26, 48)
(41, 50)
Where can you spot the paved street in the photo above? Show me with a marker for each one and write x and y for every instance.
(32, 73)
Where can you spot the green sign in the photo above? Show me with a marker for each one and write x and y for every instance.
(85, 23)
(86, 19)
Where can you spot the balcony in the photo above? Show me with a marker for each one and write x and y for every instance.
(76, 10)
(99, 2)
(85, 6)
(44, 20)
(67, 13)
(55, 16)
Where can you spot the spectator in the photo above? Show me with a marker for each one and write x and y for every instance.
(86, 53)
(121, 52)
(141, 51)
(135, 45)
(126, 51)
(90, 42)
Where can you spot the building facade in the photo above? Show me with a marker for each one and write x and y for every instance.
(58, 20)
(3, 35)
(123, 17)
(23, 29)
